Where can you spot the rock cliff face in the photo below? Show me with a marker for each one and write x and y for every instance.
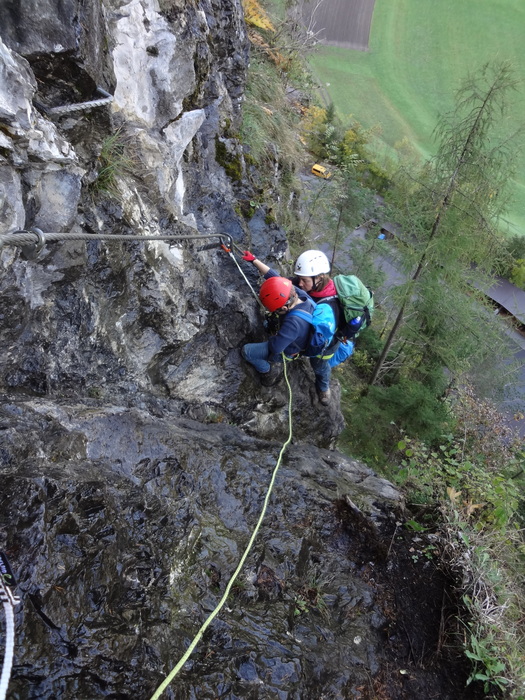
(135, 446)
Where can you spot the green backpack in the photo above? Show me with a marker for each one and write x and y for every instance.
(357, 304)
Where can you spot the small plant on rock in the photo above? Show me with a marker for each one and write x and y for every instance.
(115, 160)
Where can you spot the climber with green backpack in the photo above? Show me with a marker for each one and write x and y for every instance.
(351, 306)
(316, 319)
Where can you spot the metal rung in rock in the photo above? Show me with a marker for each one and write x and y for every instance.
(79, 106)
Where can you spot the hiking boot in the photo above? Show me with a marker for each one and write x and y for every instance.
(324, 396)
(272, 377)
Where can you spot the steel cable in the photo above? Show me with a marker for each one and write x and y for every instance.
(35, 236)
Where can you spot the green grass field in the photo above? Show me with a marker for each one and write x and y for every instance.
(420, 50)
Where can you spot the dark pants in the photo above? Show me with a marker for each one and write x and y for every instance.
(257, 355)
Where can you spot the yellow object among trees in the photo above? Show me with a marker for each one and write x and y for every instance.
(256, 16)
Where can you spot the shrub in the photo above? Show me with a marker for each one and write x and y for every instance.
(407, 406)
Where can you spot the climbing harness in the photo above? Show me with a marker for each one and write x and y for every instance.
(237, 571)
(77, 106)
(9, 601)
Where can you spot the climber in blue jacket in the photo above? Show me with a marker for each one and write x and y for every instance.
(279, 295)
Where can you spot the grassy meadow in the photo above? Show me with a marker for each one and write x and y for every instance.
(419, 52)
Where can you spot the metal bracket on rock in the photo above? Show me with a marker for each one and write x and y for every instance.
(218, 244)
(31, 251)
(77, 106)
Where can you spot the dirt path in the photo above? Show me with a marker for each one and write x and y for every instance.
(344, 23)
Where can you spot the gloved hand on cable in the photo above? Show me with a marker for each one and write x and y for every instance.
(249, 257)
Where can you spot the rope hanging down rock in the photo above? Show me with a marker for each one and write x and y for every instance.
(237, 571)
(9, 600)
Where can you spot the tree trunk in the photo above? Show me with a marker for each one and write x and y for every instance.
(444, 205)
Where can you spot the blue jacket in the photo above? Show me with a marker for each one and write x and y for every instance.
(294, 333)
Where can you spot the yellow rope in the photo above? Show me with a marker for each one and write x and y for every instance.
(237, 571)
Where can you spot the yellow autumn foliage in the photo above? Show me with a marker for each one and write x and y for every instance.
(314, 118)
(256, 16)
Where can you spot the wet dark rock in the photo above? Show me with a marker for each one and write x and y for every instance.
(36, 27)
(258, 228)
(67, 60)
(130, 529)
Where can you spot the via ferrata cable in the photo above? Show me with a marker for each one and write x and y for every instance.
(36, 238)
(232, 256)
(33, 240)
(237, 571)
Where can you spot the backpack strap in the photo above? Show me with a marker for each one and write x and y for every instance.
(335, 304)
(302, 314)
(306, 317)
(329, 346)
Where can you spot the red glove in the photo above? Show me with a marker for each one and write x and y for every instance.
(249, 257)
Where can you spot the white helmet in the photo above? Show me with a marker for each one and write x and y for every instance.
(311, 263)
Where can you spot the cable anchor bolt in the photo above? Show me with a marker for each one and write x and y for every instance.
(31, 251)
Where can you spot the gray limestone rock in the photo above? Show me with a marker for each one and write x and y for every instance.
(12, 211)
(17, 86)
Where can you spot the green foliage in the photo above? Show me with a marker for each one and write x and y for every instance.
(374, 177)
(344, 145)
(363, 362)
(269, 125)
(116, 160)
(491, 568)
(517, 274)
(447, 213)
(269, 132)
(310, 596)
(516, 247)
(472, 480)
(488, 666)
(512, 262)
(334, 209)
(330, 113)
(477, 461)
(408, 406)
(470, 484)
(363, 254)
(491, 496)
(231, 163)
(404, 80)
(414, 526)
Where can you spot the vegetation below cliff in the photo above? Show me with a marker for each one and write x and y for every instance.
(459, 465)
(137, 448)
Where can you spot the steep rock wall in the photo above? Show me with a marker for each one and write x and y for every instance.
(135, 445)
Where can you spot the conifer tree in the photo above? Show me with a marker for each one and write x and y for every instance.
(449, 216)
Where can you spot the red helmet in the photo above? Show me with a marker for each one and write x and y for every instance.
(275, 292)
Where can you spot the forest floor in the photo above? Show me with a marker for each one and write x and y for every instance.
(422, 656)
